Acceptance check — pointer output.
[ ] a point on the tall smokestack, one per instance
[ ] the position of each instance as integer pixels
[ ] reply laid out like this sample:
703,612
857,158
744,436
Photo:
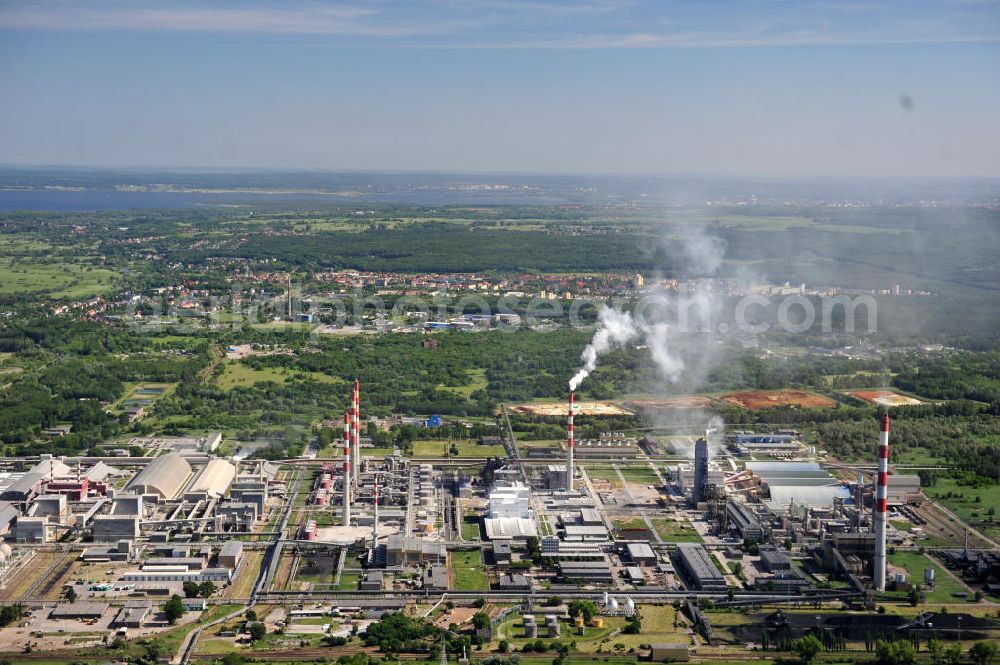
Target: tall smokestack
347,469
375,520
355,438
881,494
569,444
700,469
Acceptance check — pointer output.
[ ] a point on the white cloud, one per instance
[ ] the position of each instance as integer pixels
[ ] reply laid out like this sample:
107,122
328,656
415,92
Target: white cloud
520,24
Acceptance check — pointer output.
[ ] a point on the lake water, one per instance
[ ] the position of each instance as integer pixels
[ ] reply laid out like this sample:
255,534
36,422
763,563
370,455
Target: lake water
94,200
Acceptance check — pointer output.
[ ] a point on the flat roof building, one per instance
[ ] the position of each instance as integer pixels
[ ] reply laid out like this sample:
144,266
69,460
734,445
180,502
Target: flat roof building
582,532
640,553
403,551
696,563
744,522
112,528
510,528
586,572
230,554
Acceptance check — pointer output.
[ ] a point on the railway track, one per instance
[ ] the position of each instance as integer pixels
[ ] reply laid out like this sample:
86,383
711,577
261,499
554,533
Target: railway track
48,579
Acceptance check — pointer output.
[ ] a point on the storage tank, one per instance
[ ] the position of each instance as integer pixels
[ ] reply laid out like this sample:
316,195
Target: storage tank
629,606
530,627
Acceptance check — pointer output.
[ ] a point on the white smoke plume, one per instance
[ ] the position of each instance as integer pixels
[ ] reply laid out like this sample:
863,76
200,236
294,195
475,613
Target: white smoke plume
616,328
663,318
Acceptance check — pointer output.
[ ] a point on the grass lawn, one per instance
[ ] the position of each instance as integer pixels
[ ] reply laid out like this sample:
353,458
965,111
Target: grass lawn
548,445
478,381
470,525
439,448
171,639
630,523
57,280
673,531
348,580
657,626
640,474
944,585
971,504
243,584
603,473
237,375
467,572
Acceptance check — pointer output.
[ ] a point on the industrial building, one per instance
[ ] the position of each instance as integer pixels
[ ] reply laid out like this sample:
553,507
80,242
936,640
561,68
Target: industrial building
744,522
510,515
112,528
641,554
585,572
903,489
695,563
164,477
212,481
669,652
405,551
805,484
230,554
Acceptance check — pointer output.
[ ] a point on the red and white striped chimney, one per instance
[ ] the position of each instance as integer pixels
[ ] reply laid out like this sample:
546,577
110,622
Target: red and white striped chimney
355,437
569,444
375,520
347,468
881,496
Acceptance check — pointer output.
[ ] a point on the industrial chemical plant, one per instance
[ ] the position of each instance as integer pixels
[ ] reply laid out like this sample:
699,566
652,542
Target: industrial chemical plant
623,520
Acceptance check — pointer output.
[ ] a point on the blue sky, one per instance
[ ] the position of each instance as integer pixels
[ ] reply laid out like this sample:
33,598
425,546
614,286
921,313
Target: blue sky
758,87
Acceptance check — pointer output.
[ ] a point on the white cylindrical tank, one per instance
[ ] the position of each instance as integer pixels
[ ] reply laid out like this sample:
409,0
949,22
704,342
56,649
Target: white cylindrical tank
629,605
5,549
606,597
613,604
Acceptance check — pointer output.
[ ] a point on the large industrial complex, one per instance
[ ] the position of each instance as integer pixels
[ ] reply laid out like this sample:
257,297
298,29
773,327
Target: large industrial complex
734,519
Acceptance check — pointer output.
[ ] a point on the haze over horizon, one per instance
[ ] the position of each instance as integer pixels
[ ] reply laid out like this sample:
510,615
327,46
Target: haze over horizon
600,86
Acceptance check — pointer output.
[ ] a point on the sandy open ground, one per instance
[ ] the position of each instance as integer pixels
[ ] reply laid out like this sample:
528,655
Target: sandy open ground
581,409
884,397
679,402
763,399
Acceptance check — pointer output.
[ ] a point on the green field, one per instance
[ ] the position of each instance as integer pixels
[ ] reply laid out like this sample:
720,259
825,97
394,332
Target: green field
603,473
57,280
478,382
631,523
439,448
640,474
672,531
467,572
972,504
470,525
238,375
657,626
944,585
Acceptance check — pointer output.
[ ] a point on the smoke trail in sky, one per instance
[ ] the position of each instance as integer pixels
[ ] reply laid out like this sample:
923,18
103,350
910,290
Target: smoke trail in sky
697,254
616,328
